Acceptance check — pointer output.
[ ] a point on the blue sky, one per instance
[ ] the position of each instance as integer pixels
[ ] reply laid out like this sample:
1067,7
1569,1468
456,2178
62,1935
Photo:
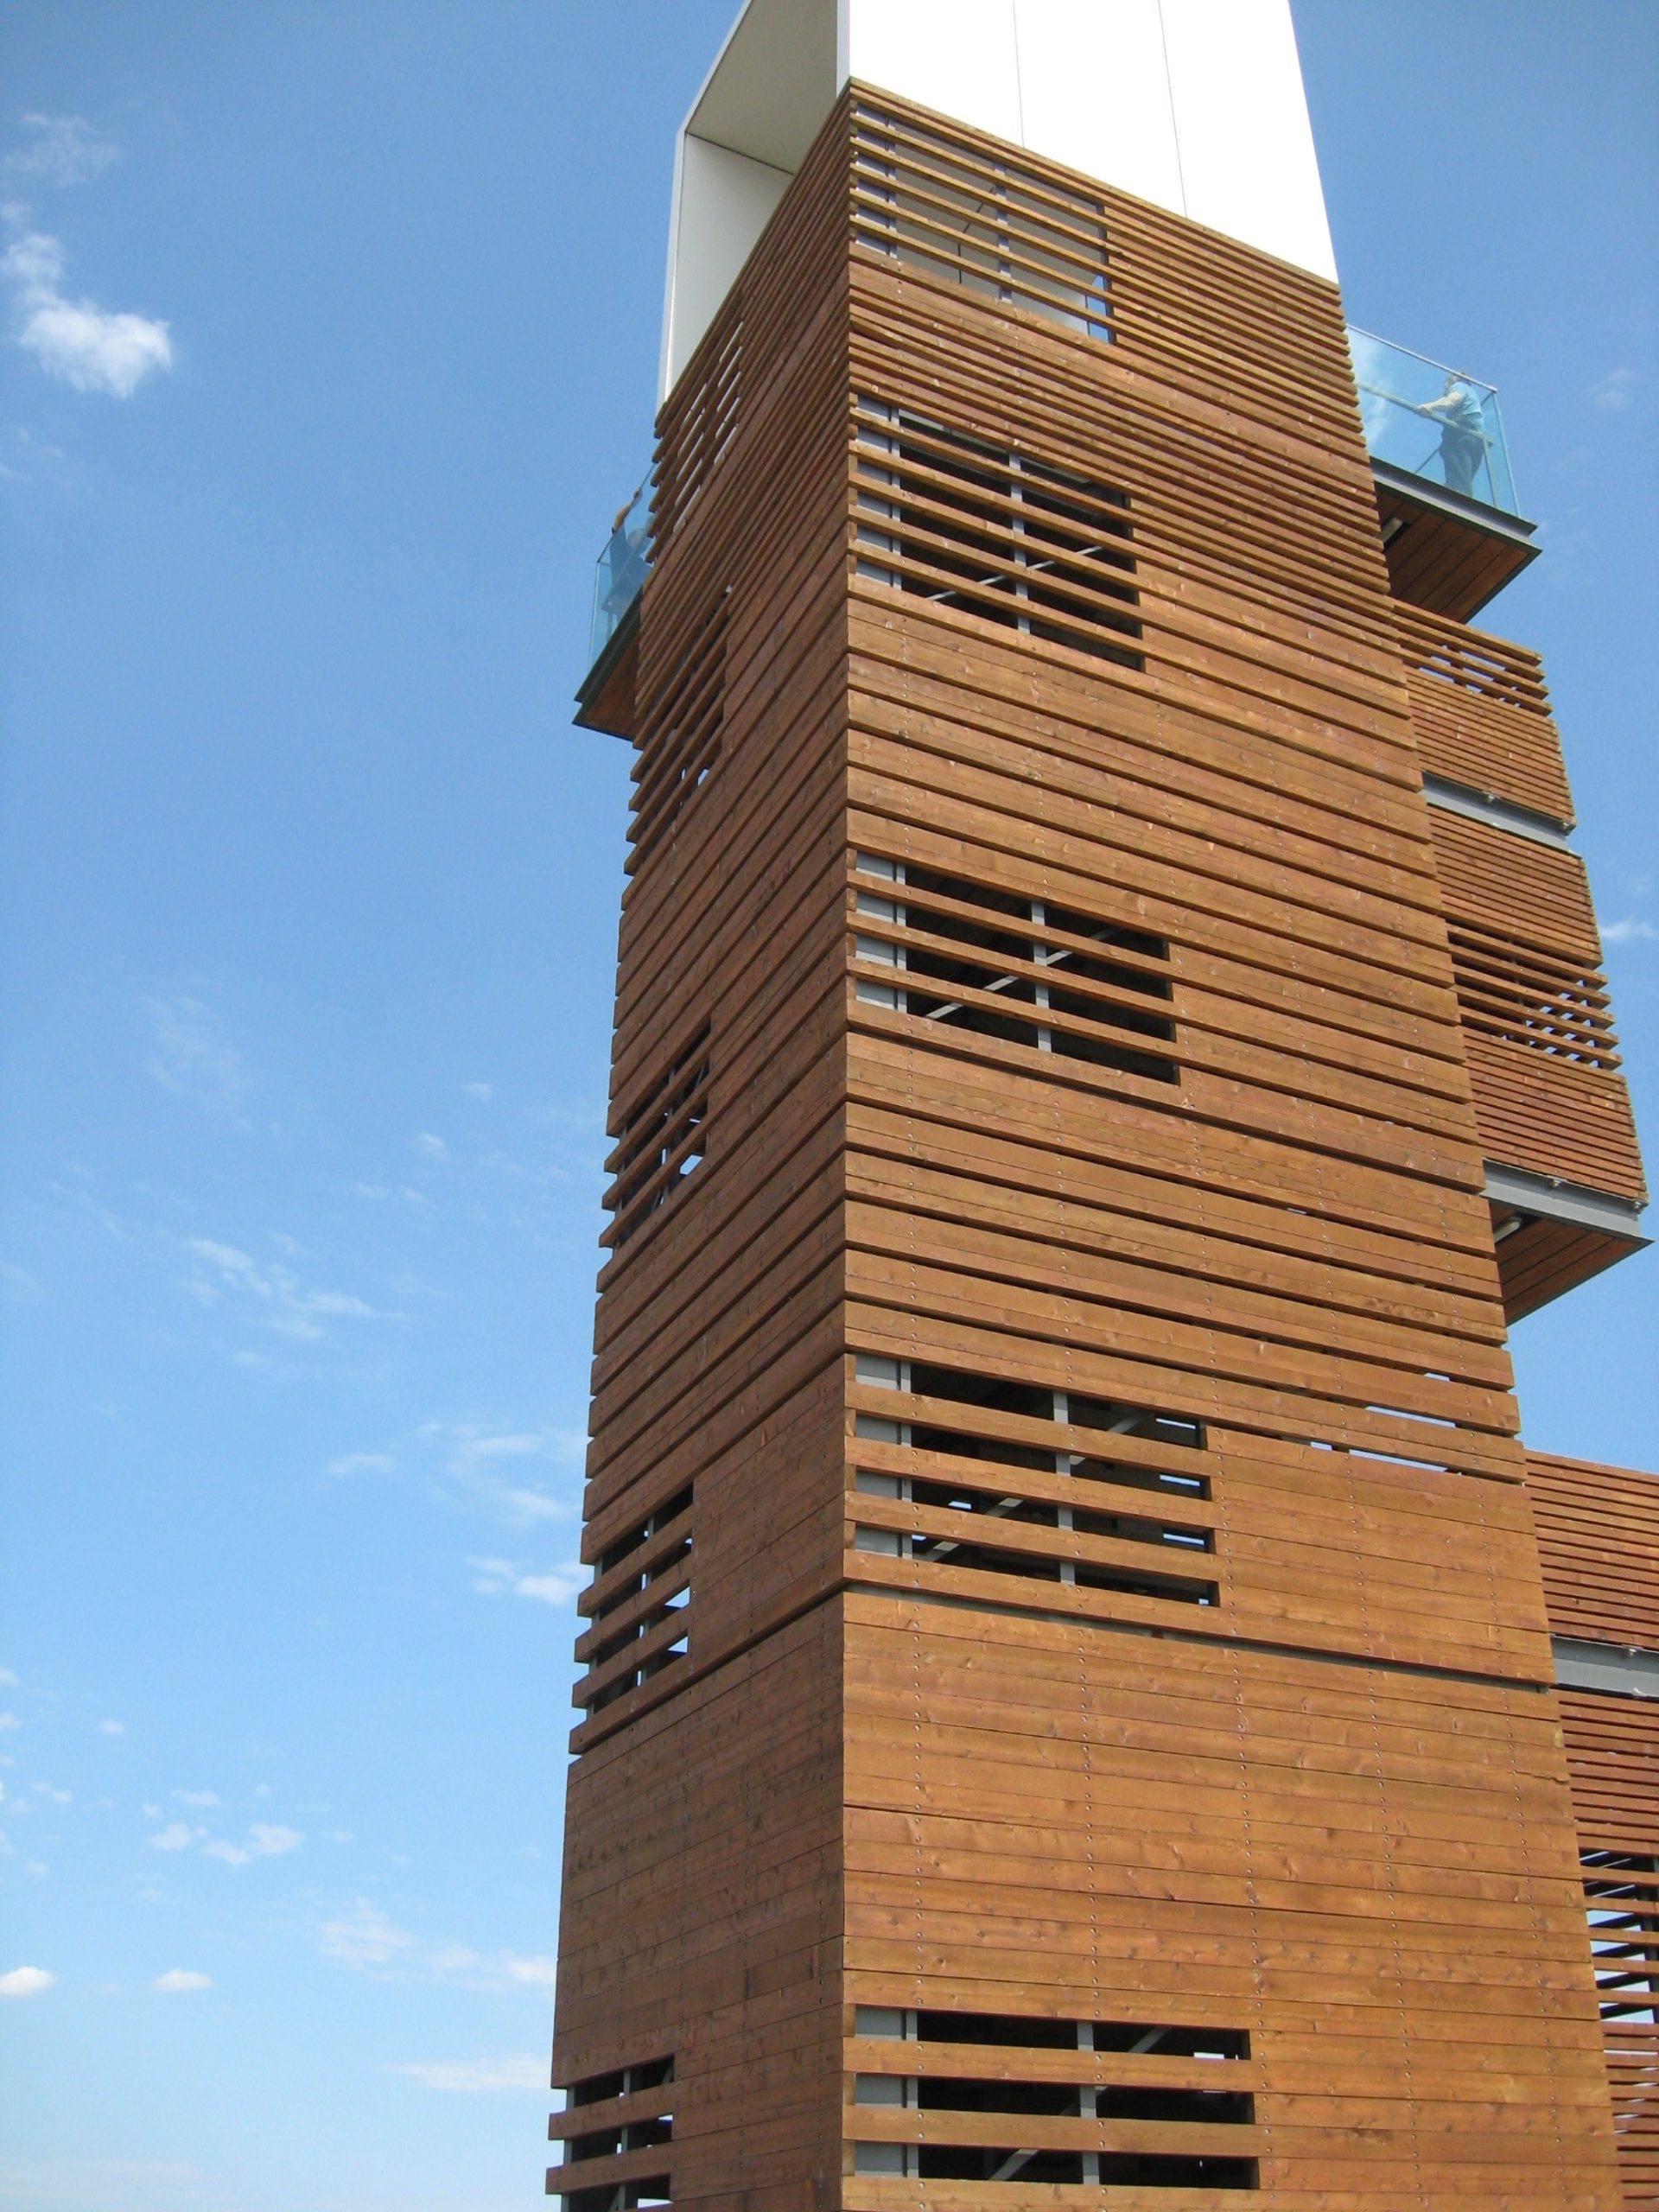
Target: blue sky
309,911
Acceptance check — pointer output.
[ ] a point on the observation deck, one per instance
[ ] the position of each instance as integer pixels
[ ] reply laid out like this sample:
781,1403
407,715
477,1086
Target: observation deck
604,697
1452,530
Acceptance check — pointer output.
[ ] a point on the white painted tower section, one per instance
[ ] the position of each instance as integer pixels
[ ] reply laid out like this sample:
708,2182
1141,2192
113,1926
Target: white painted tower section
1195,105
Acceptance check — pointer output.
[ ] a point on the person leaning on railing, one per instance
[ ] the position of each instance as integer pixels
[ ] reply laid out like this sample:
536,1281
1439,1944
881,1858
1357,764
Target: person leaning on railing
1463,432
626,556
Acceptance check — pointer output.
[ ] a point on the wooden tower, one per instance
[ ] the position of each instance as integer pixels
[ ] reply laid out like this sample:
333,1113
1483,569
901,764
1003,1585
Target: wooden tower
1108,1033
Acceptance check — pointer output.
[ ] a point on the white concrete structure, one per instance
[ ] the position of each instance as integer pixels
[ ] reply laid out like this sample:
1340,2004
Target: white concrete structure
1196,104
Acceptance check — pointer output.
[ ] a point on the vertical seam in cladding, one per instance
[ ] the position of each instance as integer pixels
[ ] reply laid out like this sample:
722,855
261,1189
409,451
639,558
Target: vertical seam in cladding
1174,120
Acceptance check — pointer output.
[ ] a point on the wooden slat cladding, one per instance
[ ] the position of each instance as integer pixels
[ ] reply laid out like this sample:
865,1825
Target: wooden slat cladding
1025,1224
1482,714
701,1903
698,423
1599,1541
1370,1874
1073,1494
702,1915
1534,1002
1612,1747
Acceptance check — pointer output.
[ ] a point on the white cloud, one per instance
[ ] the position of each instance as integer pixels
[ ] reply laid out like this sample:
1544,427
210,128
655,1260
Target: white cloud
363,1463
430,1146
1616,392
26,1982
9,1720
75,341
60,150
1627,932
53,1795
175,1837
206,1798
482,1092
18,1286
180,1981
190,1057
112,1727
470,2076
553,1586
8,1679
265,1839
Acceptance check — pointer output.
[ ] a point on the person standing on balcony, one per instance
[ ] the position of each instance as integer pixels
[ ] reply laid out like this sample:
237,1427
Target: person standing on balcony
627,557
1463,432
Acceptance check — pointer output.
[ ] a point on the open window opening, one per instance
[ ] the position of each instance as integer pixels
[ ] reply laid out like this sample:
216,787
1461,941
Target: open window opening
964,1505
680,737
1173,2075
1522,992
630,1610
992,228
1001,533
611,2116
997,964
1621,1903
660,1142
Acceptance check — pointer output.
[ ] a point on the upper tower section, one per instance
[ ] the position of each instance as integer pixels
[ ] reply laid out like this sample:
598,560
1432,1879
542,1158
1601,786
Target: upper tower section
1196,105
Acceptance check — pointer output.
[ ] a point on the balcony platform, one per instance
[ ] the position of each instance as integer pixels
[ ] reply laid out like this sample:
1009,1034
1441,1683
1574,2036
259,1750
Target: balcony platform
1446,551
606,696
1552,1236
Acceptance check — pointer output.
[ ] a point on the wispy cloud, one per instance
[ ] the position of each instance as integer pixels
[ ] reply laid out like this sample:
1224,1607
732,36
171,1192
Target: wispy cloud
431,1147
112,1727
492,1578
200,1798
363,1463
28,460
1615,393
1628,932
280,1300
59,150
474,2076
368,1941
26,1982
177,1835
190,1055
365,1939
182,1981
18,1286
482,1092
486,1459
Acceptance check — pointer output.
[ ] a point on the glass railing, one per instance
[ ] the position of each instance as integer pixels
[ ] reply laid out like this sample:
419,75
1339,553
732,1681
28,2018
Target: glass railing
620,570
1432,422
